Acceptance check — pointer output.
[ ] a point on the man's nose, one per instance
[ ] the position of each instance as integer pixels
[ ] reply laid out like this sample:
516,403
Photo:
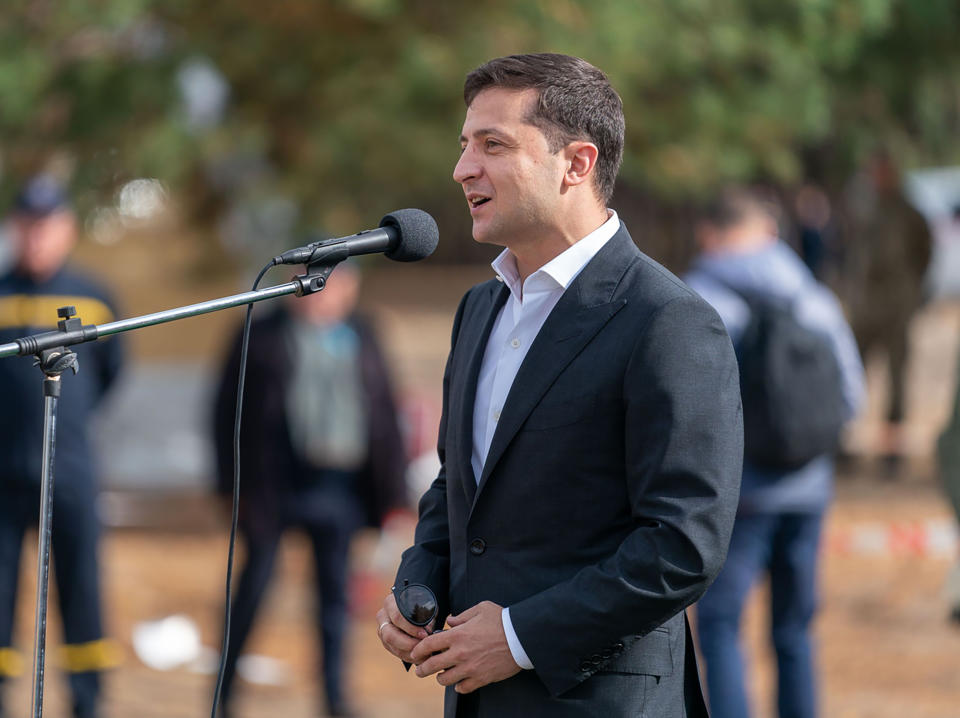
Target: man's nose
467,167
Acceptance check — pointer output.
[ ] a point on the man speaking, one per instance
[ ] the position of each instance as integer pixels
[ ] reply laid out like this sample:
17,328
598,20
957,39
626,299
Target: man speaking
591,438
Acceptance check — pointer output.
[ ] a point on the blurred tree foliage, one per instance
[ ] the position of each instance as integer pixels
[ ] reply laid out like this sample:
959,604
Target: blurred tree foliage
350,108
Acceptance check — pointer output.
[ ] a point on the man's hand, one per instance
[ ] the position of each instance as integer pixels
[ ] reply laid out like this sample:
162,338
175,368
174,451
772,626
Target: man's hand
397,634
471,653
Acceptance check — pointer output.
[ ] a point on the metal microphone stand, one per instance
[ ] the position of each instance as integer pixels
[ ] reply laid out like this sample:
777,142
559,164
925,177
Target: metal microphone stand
53,357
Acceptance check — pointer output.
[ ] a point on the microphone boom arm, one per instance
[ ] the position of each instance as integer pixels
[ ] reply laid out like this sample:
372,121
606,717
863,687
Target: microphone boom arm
313,281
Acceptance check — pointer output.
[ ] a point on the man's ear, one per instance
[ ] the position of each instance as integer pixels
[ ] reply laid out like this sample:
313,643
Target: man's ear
581,159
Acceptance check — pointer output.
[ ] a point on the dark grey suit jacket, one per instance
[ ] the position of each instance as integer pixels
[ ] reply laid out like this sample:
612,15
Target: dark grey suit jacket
608,494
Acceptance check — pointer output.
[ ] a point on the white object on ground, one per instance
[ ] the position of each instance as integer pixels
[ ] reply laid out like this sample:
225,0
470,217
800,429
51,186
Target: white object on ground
263,670
166,643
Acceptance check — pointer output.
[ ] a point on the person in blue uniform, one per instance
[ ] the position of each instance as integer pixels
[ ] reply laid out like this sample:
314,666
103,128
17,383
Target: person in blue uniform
44,231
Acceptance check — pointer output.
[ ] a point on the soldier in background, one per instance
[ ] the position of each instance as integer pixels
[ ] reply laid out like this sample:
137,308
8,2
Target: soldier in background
889,250
44,231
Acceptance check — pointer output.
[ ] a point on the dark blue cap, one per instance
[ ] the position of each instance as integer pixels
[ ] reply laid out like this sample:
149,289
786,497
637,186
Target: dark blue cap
42,194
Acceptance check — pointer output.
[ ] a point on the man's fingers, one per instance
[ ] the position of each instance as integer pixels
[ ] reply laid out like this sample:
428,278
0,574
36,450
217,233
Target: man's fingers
394,639
442,661
462,618
428,646
468,685
452,676
401,654
398,642
397,619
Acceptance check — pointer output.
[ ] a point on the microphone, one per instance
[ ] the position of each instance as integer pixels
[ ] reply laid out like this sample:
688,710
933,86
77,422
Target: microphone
406,235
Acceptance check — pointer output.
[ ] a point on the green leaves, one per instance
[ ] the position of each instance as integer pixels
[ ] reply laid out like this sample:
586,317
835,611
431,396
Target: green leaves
351,107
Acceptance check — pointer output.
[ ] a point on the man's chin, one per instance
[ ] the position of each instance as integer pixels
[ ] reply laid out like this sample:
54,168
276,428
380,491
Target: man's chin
483,234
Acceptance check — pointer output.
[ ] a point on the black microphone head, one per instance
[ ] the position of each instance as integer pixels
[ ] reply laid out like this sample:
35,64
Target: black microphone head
418,234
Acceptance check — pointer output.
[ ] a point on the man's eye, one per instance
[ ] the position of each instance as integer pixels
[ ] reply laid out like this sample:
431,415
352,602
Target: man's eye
490,144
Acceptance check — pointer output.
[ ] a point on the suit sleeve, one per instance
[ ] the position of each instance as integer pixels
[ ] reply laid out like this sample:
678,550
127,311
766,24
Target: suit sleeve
683,455
428,560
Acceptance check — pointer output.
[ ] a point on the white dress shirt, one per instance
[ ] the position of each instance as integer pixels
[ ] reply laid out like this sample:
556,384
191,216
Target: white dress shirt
514,330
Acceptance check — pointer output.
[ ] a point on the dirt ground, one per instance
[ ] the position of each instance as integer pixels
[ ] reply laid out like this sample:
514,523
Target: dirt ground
885,646
886,649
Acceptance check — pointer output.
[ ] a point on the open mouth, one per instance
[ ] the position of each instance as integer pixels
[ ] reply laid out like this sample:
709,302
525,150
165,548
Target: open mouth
477,201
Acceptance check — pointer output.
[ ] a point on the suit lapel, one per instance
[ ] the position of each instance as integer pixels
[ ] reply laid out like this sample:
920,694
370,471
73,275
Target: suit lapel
474,347
585,307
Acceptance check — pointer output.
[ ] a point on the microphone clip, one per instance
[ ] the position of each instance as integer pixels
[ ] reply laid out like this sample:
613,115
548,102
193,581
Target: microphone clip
314,280
323,257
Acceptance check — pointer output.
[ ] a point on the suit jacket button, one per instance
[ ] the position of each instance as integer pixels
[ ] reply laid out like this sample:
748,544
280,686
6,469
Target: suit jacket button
606,653
618,647
586,666
478,546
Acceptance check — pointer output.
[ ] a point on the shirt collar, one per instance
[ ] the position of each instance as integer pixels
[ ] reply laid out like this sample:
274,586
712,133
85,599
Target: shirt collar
560,271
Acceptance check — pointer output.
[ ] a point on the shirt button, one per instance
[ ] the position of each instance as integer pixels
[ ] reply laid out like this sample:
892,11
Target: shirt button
515,343
496,415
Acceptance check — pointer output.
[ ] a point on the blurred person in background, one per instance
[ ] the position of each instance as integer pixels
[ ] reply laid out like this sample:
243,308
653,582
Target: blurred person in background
889,248
44,231
742,269
321,452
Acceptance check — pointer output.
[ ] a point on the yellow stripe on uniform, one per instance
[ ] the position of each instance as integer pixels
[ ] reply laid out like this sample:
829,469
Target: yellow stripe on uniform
11,663
39,311
93,656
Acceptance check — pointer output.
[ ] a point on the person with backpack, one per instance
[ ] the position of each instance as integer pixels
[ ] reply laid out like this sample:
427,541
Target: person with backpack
801,380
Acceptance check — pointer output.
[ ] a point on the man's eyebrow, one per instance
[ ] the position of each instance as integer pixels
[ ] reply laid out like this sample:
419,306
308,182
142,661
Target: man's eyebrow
484,131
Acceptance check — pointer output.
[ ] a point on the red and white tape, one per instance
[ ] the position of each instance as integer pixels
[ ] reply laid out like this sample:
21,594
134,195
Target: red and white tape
929,538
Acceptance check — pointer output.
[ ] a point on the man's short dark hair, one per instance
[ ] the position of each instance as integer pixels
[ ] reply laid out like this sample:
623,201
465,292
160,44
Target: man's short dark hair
576,102
733,204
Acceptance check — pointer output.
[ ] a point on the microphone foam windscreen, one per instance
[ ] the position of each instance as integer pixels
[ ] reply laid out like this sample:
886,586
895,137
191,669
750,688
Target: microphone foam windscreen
418,234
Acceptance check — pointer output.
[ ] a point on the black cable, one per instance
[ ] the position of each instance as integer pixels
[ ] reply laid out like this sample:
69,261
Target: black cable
236,494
